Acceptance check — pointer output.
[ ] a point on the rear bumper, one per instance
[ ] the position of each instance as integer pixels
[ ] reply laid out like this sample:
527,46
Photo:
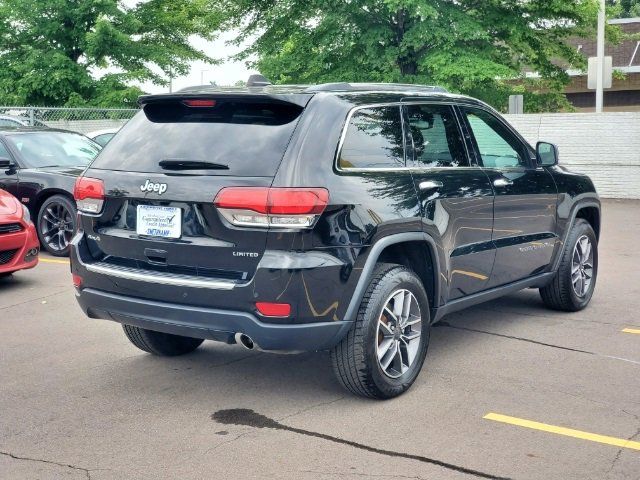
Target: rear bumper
209,323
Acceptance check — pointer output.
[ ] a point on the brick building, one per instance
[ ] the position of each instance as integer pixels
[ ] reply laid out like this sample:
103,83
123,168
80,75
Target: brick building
624,96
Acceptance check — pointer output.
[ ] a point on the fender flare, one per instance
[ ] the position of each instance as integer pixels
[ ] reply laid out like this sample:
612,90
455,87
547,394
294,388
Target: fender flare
372,260
591,202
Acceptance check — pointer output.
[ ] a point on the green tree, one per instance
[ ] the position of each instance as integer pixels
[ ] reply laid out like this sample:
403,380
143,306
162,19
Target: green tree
470,46
625,8
54,52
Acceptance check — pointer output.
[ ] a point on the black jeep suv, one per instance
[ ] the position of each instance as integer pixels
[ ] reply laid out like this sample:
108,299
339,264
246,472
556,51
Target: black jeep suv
347,217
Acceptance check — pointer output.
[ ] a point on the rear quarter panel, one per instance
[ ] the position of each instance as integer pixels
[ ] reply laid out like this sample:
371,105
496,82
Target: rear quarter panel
363,207
35,185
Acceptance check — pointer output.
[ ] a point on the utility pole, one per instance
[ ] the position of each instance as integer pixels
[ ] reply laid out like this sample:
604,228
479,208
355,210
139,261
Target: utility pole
202,72
600,55
170,79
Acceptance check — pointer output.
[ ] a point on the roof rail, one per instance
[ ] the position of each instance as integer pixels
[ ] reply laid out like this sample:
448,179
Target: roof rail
374,87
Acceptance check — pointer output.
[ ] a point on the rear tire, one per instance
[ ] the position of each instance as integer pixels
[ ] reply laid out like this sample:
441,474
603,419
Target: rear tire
384,351
162,344
572,287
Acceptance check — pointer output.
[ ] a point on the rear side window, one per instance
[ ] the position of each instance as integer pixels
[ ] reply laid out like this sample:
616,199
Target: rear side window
248,137
436,137
373,139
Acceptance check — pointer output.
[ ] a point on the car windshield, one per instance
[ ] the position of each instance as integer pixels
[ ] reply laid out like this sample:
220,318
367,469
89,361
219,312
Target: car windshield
54,149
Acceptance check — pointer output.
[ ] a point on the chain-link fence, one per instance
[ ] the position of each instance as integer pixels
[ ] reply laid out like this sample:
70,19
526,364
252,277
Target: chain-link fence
82,120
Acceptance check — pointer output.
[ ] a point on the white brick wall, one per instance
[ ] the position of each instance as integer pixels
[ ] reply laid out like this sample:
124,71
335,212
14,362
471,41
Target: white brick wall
605,146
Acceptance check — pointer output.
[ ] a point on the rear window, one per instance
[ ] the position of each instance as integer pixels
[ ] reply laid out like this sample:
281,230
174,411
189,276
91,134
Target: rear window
248,137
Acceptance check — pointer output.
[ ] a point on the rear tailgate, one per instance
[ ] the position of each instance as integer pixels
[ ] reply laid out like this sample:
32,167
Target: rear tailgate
178,154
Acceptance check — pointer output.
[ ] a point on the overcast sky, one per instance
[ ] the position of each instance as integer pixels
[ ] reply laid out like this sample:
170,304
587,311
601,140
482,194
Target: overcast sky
224,74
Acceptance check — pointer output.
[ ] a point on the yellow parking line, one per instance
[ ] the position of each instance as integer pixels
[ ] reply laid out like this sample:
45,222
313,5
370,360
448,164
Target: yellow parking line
632,330
51,260
568,432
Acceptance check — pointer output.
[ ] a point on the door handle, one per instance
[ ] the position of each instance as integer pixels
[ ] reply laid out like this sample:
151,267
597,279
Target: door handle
502,182
430,185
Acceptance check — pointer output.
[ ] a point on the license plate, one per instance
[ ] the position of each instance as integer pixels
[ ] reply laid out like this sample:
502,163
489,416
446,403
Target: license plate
155,221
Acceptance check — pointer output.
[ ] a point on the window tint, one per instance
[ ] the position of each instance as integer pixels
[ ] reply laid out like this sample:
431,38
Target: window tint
373,139
437,141
498,147
247,136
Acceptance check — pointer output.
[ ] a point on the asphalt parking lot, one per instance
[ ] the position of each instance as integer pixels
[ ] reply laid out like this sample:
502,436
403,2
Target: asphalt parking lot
509,390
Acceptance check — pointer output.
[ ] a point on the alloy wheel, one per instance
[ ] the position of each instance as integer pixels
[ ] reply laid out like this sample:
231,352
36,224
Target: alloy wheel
57,226
398,333
582,266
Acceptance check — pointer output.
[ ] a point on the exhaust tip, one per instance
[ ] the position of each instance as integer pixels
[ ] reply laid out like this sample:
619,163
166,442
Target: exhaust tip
245,341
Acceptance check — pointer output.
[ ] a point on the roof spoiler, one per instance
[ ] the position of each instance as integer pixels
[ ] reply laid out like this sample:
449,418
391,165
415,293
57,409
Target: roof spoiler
254,91
300,100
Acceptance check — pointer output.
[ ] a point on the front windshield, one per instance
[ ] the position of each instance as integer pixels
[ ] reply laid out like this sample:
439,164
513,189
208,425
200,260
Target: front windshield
54,149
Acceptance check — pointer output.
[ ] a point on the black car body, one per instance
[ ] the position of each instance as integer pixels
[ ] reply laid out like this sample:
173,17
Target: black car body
411,179
38,171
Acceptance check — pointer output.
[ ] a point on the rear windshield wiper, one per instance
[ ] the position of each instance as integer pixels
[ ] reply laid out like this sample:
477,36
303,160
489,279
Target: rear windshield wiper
191,165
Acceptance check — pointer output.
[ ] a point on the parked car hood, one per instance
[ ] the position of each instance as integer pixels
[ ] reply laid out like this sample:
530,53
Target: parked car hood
8,204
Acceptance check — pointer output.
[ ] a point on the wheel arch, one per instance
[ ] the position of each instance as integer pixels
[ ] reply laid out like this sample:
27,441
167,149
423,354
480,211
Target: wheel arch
588,210
415,250
44,195
591,214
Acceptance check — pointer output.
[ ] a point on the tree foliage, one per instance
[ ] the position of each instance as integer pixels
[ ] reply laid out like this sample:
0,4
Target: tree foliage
51,51
470,46
625,8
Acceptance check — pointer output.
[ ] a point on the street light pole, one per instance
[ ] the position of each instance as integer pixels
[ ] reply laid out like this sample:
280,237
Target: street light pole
600,55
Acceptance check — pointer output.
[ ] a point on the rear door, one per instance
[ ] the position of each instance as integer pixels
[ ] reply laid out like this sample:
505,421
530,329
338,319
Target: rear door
162,172
455,195
524,229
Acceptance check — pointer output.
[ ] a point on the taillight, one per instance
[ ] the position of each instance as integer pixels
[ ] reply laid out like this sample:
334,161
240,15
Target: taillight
77,280
272,207
89,194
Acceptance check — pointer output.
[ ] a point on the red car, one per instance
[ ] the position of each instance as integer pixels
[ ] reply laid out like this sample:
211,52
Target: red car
19,244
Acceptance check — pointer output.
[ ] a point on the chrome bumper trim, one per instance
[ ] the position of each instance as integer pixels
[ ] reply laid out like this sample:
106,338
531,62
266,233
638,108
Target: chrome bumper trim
159,277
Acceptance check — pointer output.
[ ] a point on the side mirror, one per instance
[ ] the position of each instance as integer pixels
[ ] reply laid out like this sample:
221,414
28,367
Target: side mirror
546,154
6,164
